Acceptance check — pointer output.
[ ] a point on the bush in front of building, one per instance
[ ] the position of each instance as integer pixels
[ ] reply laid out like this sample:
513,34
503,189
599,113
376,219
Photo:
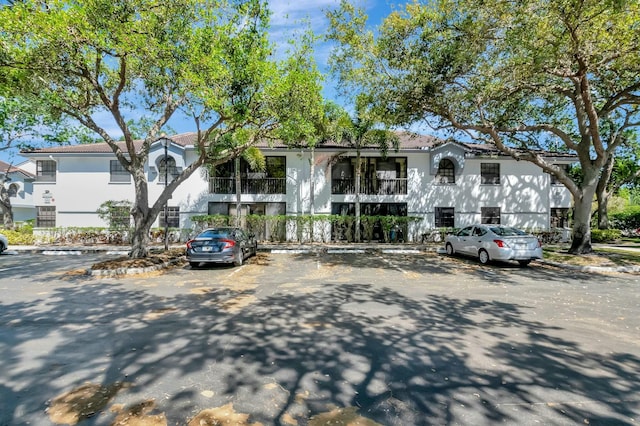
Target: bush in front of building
314,228
22,236
605,235
627,219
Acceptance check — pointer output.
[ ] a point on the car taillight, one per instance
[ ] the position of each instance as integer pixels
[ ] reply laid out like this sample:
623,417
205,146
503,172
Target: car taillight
189,244
228,244
501,243
539,243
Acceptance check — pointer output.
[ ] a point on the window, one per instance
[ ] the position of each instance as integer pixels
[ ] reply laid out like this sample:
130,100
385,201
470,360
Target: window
46,217
479,232
446,172
167,166
465,232
173,217
12,191
45,171
490,173
444,217
118,172
559,218
490,215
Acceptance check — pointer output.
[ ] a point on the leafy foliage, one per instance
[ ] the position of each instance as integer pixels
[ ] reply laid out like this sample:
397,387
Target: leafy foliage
131,65
526,76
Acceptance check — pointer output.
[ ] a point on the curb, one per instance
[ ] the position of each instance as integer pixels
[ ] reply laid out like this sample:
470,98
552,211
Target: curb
285,249
131,271
622,269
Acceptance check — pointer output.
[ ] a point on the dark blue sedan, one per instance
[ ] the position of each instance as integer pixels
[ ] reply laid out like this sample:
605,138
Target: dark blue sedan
221,245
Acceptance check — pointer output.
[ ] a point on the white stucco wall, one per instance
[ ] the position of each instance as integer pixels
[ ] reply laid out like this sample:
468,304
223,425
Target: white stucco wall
524,194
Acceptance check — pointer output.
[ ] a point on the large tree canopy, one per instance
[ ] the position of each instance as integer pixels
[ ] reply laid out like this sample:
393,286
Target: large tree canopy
133,64
524,75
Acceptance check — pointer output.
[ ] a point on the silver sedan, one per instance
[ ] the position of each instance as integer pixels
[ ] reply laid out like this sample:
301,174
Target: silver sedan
494,242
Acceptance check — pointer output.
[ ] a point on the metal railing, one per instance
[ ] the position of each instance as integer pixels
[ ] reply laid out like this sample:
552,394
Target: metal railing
224,185
396,186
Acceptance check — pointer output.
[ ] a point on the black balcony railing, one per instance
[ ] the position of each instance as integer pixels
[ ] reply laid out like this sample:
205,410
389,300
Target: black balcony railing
370,186
223,185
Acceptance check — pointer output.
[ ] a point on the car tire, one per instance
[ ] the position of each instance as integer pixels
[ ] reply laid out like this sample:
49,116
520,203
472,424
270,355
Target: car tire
239,258
2,247
483,256
194,264
524,262
449,249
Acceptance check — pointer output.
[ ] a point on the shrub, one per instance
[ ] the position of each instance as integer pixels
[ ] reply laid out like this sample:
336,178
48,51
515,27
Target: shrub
20,237
629,218
605,235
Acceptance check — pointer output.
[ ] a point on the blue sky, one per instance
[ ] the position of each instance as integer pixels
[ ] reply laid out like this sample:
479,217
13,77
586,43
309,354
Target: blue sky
286,18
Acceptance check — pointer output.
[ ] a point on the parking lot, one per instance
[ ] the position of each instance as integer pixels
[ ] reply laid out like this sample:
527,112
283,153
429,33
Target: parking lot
297,339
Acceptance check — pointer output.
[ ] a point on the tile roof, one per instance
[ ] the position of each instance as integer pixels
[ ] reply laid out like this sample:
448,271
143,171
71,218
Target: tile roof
408,141
10,168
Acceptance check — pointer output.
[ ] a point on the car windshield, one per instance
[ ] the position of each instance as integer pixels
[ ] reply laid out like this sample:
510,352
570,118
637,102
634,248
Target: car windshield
506,231
216,233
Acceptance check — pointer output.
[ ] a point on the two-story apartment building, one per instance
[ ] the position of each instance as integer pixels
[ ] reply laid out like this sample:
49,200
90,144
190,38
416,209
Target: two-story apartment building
443,183
18,181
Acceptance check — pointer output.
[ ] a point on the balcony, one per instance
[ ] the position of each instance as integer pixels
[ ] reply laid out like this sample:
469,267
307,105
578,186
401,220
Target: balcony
227,185
396,186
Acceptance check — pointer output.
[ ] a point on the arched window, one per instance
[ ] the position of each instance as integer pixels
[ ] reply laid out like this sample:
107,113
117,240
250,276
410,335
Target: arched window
13,190
168,164
446,171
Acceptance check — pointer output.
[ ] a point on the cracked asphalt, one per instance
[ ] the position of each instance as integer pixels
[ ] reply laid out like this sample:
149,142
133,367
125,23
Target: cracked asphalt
310,339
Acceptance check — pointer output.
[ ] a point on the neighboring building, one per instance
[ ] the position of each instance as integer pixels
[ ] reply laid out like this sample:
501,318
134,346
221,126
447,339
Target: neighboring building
18,180
445,184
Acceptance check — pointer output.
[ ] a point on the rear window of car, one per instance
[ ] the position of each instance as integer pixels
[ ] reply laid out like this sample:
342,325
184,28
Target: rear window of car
507,232
215,233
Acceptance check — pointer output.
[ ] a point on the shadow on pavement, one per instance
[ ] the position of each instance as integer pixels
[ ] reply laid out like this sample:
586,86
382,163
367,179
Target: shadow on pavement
400,360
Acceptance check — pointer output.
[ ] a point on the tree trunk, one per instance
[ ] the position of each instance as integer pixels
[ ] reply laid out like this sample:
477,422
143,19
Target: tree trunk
603,211
581,243
602,194
357,188
312,176
143,217
140,239
7,211
238,179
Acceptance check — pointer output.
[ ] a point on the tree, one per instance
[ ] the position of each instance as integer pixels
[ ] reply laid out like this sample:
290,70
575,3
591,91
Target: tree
140,61
622,168
360,132
525,76
24,123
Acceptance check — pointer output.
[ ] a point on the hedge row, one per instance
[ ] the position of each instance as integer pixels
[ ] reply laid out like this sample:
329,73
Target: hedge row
309,228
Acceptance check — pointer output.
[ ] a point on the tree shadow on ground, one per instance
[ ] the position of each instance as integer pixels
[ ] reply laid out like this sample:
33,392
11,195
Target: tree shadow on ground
400,360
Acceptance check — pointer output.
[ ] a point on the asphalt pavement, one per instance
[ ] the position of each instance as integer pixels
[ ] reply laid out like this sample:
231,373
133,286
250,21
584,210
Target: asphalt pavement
395,338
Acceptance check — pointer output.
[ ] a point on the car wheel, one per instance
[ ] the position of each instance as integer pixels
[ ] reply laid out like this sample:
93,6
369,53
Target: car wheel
524,262
194,264
239,258
2,247
483,256
449,248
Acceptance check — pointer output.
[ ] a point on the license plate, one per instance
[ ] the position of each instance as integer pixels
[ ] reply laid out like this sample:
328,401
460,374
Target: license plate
206,248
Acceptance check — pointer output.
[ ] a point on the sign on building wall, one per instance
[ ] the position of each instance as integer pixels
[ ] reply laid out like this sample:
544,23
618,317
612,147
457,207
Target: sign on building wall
47,197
